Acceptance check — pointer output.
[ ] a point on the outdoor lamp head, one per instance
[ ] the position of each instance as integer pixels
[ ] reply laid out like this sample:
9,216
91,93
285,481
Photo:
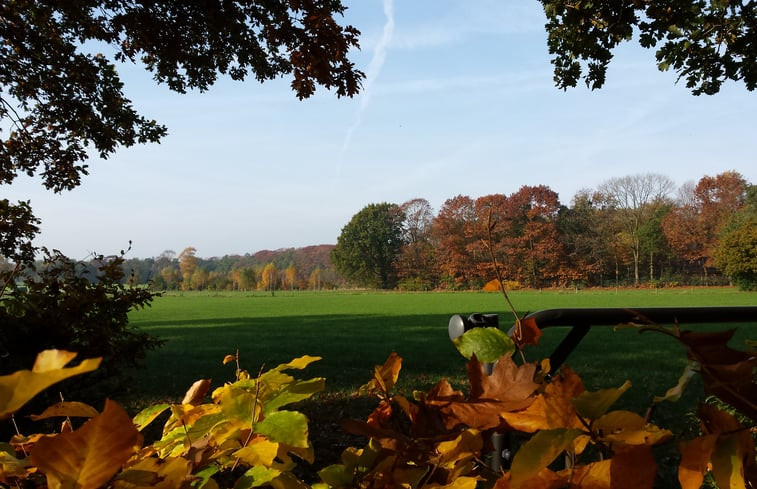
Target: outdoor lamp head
459,325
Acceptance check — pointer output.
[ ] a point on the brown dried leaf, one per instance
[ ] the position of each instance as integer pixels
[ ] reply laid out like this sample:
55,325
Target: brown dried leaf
88,457
196,394
68,409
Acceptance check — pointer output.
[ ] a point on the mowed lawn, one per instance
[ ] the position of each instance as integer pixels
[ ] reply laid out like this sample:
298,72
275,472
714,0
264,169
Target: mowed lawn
353,331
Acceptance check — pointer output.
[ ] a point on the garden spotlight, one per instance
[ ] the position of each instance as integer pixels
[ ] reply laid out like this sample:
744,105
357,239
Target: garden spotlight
459,324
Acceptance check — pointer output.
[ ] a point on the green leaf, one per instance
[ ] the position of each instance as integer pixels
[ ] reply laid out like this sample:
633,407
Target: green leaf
488,344
287,427
296,391
592,405
148,415
256,477
336,475
540,451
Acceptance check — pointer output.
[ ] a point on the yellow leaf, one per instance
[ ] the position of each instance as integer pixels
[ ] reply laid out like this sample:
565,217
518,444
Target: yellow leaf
592,405
628,428
18,388
459,483
540,451
298,363
228,359
259,452
154,472
466,446
591,476
52,360
68,409
88,457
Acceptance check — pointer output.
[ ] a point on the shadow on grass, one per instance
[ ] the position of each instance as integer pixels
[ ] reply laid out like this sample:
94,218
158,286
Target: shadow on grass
351,344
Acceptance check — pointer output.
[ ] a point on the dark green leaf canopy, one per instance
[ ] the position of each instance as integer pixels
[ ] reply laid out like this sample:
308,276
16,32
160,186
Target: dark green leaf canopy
62,101
706,41
369,245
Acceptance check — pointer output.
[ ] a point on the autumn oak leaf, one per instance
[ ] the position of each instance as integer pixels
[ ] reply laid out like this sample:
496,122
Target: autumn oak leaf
88,457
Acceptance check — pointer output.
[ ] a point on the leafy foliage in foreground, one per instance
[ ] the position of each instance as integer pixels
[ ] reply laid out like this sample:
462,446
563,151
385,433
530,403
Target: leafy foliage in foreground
569,437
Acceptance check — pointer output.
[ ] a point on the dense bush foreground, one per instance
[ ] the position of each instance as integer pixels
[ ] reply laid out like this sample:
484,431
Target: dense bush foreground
247,437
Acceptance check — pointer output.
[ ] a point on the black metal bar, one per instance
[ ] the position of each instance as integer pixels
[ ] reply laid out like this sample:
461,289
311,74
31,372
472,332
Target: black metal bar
582,319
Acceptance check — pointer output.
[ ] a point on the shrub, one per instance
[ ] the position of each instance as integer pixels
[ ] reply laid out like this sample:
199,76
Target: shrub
63,304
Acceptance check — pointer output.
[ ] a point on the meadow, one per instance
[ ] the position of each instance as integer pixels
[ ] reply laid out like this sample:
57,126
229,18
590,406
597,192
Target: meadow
355,330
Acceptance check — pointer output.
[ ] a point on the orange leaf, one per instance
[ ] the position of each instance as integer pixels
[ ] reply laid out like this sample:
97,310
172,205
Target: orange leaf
88,457
553,409
196,394
508,388
384,376
695,456
526,332
633,467
592,476
68,409
726,373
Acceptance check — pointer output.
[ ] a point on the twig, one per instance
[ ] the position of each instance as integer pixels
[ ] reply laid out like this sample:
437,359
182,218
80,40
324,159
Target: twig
254,410
517,333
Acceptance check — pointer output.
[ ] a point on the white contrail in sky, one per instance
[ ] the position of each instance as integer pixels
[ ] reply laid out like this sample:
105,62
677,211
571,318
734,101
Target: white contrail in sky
374,68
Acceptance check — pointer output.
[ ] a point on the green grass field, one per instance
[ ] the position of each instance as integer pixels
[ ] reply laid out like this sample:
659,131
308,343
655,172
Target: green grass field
353,331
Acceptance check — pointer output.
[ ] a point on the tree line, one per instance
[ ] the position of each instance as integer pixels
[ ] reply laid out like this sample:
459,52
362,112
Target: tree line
629,231
636,230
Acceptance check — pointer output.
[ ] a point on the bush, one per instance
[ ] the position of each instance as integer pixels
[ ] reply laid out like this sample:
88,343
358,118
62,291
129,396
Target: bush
63,304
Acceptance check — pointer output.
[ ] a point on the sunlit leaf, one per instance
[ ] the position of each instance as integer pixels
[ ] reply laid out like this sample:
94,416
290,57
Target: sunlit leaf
384,376
228,359
628,428
91,455
458,483
155,472
592,405
52,360
148,415
18,388
675,392
540,451
295,391
526,332
288,427
552,409
256,477
299,363
258,452
488,344
66,409
197,392
10,466
595,475
466,446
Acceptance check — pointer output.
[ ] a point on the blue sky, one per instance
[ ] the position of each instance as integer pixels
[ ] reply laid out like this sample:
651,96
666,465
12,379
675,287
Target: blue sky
459,100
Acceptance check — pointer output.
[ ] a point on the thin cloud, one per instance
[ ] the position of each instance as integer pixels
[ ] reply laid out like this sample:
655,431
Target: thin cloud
372,73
